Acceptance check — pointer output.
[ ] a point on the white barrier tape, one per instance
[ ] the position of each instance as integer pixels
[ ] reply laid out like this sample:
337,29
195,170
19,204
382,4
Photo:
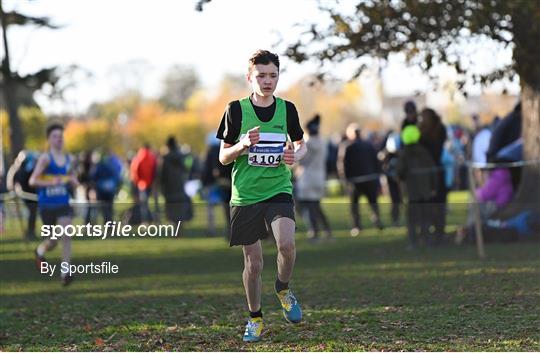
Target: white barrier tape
474,165
503,165
360,179
11,195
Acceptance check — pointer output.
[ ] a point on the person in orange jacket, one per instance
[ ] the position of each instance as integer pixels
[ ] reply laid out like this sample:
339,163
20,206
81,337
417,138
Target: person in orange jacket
142,174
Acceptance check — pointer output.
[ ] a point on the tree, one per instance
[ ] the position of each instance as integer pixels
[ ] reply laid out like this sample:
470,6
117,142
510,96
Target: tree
151,124
124,103
87,135
178,85
338,103
208,106
431,32
14,85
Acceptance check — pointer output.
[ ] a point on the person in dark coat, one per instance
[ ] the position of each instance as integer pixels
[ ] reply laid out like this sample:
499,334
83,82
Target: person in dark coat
505,132
172,178
432,137
17,179
413,164
85,169
358,166
216,179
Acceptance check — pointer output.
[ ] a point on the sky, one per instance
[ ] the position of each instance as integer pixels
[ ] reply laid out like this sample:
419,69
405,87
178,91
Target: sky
125,44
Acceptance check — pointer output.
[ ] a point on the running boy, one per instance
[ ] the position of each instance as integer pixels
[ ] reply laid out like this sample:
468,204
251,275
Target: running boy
254,136
52,177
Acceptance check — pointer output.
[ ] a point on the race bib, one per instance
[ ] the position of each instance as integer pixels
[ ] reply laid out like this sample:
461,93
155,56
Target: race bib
54,191
267,155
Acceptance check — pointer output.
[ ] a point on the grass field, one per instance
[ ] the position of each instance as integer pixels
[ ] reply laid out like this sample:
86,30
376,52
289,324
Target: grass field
364,293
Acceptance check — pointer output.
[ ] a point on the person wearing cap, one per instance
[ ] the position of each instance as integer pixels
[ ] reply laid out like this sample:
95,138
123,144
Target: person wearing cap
413,169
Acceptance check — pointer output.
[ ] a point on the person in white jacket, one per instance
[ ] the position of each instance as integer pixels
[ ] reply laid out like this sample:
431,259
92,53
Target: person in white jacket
311,182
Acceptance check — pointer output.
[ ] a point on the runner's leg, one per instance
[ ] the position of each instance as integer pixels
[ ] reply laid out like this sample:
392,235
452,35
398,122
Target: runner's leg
283,229
66,241
253,265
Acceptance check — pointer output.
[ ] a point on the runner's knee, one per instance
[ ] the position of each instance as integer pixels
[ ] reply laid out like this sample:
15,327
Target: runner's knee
254,266
51,244
286,248
64,221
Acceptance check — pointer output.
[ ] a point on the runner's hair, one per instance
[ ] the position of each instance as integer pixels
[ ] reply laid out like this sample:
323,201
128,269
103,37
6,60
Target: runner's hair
52,127
263,57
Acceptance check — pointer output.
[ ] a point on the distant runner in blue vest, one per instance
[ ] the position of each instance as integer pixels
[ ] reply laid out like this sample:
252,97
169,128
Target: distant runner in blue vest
52,176
254,133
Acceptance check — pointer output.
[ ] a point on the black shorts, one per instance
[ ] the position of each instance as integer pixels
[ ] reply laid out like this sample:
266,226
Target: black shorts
49,216
251,223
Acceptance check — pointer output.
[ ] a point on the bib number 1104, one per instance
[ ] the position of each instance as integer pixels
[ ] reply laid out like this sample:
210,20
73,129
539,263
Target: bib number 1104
266,155
262,159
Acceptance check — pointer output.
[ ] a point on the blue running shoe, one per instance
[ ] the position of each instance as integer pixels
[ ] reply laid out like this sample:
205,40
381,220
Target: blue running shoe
253,329
291,308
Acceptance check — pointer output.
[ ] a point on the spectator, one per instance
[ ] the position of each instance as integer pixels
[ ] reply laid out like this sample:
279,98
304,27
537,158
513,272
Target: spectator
84,171
433,137
412,168
358,167
18,177
107,180
480,145
505,132
498,188
331,157
449,163
411,114
172,178
495,194
457,148
311,182
142,174
389,159
216,180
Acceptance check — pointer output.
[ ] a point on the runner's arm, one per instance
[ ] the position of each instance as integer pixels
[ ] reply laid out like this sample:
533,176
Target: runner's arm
228,152
292,154
300,150
35,179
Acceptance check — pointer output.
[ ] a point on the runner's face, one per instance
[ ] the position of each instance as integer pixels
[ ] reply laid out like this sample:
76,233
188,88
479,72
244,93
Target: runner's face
56,139
264,79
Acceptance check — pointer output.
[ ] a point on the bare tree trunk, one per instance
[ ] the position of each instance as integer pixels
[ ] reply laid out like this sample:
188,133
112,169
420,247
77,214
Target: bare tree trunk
16,135
528,194
16,132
